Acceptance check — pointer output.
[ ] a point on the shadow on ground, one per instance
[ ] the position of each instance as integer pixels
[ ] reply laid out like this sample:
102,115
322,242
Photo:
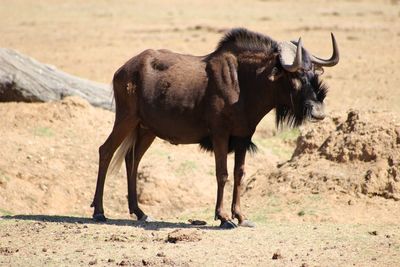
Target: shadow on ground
156,225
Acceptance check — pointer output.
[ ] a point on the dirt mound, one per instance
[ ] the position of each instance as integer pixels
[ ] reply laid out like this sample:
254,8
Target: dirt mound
372,138
48,155
357,153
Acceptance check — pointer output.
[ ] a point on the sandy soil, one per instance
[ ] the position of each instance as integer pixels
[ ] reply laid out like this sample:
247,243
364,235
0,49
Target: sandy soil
334,202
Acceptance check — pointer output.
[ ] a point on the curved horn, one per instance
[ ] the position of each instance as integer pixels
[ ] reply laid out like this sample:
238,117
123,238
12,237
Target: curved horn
328,62
298,61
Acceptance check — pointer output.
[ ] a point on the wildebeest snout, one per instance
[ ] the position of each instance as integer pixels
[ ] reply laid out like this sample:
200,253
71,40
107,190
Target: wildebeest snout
317,111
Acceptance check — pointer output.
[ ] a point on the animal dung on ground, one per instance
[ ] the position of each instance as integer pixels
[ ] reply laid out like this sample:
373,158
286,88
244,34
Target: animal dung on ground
185,235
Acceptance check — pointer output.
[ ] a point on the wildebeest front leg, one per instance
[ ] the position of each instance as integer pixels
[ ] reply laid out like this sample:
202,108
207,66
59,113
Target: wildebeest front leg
239,173
143,142
221,152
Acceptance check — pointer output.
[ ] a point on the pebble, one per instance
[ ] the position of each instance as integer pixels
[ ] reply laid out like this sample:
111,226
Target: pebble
277,255
373,233
160,254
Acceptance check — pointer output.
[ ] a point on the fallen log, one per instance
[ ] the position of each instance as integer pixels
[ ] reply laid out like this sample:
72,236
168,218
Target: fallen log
24,79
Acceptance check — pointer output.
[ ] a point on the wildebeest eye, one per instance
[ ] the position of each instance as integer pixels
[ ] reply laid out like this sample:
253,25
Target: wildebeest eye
275,74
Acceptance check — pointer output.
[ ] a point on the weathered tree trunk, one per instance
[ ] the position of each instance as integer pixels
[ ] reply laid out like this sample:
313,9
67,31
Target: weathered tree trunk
25,79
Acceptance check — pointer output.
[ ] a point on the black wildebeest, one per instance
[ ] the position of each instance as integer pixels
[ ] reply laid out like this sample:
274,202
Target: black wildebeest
215,100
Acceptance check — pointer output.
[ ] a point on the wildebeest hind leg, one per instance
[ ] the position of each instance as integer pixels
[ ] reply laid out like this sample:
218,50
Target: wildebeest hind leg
122,128
143,141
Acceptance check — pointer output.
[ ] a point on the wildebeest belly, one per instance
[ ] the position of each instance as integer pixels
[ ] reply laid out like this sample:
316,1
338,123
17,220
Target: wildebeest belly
171,99
177,131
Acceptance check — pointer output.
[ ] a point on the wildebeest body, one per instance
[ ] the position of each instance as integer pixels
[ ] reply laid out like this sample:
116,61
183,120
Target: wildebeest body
216,100
179,103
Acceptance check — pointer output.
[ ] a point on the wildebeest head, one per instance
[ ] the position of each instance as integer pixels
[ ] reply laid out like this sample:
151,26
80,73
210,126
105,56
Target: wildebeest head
299,73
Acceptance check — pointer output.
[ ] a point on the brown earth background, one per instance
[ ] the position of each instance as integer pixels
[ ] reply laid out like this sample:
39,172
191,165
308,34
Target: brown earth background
326,194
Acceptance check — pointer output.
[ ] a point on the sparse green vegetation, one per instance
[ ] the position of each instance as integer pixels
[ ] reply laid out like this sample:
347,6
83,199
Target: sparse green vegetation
43,132
3,178
281,144
186,167
288,134
211,172
259,217
4,212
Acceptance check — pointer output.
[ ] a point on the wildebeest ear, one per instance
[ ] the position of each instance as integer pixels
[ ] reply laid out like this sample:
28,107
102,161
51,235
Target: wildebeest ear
275,74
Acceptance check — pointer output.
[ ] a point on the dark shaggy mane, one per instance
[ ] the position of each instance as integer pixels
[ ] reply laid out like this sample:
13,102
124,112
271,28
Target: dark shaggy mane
234,143
284,115
247,40
320,88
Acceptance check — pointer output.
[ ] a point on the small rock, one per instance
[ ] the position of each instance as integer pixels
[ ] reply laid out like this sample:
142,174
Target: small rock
123,263
373,233
145,262
110,260
93,262
44,249
7,251
301,213
277,255
116,238
169,262
160,254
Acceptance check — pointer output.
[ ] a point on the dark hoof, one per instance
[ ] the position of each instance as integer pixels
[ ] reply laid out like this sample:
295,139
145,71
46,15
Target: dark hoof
227,225
99,218
247,223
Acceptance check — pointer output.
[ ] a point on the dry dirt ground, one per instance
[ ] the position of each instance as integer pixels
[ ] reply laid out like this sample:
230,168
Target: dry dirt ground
325,195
